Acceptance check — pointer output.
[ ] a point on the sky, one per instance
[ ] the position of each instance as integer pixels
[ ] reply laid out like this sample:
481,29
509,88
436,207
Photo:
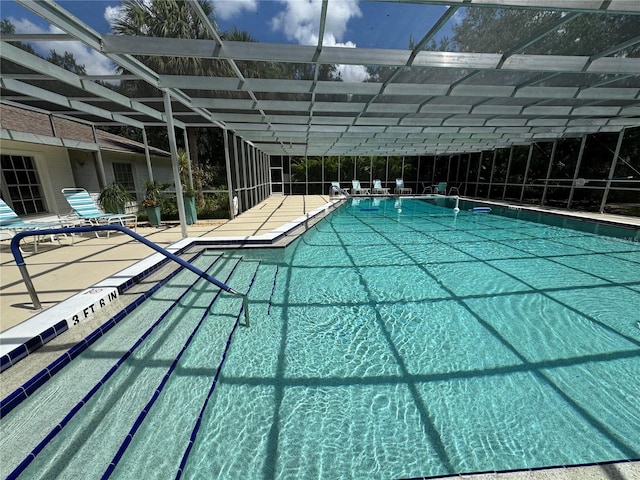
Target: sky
349,23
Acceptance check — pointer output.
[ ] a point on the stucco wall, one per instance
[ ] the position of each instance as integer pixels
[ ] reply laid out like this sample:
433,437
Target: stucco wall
161,169
59,168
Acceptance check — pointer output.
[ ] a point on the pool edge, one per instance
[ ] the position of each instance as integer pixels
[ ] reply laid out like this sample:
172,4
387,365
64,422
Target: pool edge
21,340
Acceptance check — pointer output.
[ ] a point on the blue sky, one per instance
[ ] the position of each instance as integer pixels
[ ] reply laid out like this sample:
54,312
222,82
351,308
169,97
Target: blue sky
349,23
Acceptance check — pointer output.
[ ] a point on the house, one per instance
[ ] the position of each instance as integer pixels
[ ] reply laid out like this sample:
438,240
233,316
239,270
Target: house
42,153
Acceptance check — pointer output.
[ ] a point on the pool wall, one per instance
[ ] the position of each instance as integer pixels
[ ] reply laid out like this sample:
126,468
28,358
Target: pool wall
626,233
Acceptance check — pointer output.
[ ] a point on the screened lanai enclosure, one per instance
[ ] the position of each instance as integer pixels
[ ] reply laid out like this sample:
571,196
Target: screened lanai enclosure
532,101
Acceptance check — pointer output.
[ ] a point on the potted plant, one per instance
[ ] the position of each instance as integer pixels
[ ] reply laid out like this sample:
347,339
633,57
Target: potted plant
189,197
188,192
151,202
114,198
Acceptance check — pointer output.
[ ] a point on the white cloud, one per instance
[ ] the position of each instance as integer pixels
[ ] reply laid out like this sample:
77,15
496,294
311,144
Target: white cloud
94,62
111,14
349,73
300,21
226,9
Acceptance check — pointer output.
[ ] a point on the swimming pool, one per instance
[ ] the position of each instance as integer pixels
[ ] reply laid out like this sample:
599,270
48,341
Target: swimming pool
389,341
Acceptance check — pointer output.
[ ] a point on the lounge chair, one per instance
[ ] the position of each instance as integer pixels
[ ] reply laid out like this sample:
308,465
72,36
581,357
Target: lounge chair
357,189
426,188
377,188
441,188
86,209
400,188
11,223
455,190
335,188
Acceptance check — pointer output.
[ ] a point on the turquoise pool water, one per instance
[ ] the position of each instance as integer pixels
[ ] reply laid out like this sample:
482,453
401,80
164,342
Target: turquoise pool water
389,341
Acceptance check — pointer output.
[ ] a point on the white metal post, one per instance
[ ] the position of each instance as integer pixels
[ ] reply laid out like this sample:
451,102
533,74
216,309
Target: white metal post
174,163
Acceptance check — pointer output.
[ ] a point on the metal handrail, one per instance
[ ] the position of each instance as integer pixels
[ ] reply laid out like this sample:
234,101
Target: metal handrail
335,188
17,255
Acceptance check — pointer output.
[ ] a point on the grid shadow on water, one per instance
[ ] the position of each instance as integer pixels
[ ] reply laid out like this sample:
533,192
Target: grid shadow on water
534,287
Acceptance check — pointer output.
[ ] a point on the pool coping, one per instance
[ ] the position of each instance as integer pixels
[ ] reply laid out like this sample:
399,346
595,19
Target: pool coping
21,340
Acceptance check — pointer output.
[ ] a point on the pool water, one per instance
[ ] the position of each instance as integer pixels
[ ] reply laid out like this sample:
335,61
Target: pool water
389,341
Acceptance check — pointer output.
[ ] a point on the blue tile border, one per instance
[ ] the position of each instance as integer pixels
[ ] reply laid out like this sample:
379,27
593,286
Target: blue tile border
8,403
14,356
34,343
82,346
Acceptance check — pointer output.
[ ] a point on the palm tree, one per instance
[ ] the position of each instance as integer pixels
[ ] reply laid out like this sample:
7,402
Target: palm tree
171,19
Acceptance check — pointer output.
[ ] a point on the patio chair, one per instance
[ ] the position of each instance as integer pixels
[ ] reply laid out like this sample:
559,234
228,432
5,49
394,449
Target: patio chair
86,209
11,223
400,188
357,189
441,188
336,189
377,188
426,188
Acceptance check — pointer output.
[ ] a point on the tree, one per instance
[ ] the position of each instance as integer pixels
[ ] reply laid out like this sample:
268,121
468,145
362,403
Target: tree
498,30
174,19
66,61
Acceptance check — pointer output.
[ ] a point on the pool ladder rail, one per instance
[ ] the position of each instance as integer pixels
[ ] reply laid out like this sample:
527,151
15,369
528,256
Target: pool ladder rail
17,255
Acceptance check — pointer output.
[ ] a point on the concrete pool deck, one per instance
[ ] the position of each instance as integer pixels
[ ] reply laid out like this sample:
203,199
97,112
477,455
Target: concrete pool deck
60,272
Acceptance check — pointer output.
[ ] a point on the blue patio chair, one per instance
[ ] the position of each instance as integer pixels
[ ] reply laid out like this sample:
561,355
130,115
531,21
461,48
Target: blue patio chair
400,188
378,189
86,209
441,188
335,188
11,223
357,189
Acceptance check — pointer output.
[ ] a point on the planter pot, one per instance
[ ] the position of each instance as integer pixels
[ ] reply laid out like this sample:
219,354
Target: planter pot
153,213
190,210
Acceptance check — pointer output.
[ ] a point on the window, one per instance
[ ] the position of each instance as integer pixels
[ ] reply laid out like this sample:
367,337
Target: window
21,184
123,173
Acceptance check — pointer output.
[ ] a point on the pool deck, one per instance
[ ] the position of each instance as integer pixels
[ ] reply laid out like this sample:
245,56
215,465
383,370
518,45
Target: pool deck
91,266
60,272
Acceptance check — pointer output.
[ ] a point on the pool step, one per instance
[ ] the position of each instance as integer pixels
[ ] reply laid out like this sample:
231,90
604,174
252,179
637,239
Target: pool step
193,377
142,369
185,386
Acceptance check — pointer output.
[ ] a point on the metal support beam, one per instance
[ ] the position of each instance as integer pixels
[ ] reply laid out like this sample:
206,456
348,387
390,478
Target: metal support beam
174,163
546,179
475,193
147,156
254,180
526,171
576,171
612,171
225,134
506,178
245,176
493,167
236,165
